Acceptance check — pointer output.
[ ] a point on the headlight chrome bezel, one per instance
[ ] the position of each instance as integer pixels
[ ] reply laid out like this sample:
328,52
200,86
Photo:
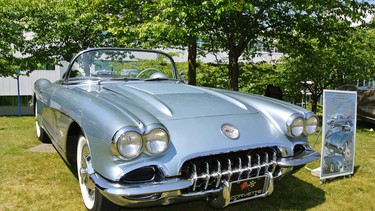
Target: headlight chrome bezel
298,125
144,136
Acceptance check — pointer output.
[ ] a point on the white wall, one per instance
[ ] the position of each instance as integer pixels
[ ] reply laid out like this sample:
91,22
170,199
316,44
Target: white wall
8,85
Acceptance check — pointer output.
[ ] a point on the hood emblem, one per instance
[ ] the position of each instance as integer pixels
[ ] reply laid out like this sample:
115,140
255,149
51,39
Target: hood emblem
230,131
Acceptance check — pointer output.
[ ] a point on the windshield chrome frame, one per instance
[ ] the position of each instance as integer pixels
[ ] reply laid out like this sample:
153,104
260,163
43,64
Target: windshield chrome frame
66,79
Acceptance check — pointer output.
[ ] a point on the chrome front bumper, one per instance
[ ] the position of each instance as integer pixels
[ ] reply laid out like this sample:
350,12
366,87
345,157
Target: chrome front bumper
301,159
169,190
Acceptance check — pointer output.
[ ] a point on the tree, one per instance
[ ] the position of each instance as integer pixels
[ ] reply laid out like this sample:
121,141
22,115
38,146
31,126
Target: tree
11,36
166,23
315,67
237,25
61,28
254,78
48,31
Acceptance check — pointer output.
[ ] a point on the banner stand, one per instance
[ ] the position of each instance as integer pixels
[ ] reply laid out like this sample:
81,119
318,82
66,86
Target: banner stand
338,138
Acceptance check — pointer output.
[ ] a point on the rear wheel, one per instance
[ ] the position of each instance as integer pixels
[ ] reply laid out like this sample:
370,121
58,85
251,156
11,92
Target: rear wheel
92,197
40,132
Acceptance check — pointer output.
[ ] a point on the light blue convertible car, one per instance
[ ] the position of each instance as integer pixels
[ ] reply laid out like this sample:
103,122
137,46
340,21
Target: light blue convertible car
139,136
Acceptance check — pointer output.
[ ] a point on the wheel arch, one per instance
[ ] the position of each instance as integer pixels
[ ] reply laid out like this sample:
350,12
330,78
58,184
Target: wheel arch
74,132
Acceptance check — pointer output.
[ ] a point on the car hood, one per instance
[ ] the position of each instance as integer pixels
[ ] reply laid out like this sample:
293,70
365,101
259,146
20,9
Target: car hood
170,101
194,117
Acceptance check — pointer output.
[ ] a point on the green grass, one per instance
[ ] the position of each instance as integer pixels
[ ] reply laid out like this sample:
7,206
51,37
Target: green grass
32,180
42,181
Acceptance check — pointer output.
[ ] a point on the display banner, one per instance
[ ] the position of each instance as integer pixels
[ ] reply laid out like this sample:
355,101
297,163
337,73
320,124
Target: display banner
339,130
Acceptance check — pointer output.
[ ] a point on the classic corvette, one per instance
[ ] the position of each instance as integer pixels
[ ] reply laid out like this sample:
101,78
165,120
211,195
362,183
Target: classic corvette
338,120
334,164
139,136
340,141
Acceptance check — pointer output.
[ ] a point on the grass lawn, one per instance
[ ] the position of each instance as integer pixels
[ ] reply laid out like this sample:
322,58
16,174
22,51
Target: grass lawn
42,181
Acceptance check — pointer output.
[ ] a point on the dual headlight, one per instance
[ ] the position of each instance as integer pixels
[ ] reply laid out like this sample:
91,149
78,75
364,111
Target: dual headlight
298,125
130,142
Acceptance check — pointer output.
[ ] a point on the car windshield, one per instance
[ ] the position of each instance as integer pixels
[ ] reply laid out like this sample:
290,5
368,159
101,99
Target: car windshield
122,63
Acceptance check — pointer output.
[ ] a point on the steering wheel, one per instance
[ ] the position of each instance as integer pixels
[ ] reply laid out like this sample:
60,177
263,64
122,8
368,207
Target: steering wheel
146,70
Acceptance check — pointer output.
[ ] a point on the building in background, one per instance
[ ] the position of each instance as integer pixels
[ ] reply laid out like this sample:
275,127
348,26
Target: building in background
9,90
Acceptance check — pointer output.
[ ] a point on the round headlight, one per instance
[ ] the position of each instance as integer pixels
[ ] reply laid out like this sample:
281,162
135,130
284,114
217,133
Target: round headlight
311,125
157,141
129,144
295,125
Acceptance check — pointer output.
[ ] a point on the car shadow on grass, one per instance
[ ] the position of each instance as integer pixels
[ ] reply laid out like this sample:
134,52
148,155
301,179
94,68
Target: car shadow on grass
291,193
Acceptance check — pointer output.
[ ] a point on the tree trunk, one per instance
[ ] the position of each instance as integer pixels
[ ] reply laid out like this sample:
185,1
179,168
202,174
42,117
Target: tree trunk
233,70
314,105
192,61
314,102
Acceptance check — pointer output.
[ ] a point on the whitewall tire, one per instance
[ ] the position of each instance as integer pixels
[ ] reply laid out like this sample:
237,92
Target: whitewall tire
91,196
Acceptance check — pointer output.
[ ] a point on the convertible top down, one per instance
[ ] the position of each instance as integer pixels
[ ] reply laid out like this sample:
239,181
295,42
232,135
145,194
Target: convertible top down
140,136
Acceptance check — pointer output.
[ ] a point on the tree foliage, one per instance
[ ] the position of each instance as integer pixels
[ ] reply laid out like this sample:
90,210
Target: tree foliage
166,23
315,34
62,28
11,37
48,31
237,25
230,26
317,66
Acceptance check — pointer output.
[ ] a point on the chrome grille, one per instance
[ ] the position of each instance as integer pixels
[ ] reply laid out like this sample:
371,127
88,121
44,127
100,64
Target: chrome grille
209,172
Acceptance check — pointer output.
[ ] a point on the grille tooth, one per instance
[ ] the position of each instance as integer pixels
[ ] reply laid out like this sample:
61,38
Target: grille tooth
208,173
273,163
195,177
249,168
258,166
219,174
229,171
266,162
239,168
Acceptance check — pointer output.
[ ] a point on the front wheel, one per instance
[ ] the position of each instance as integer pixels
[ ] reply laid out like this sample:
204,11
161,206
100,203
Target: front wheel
92,198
